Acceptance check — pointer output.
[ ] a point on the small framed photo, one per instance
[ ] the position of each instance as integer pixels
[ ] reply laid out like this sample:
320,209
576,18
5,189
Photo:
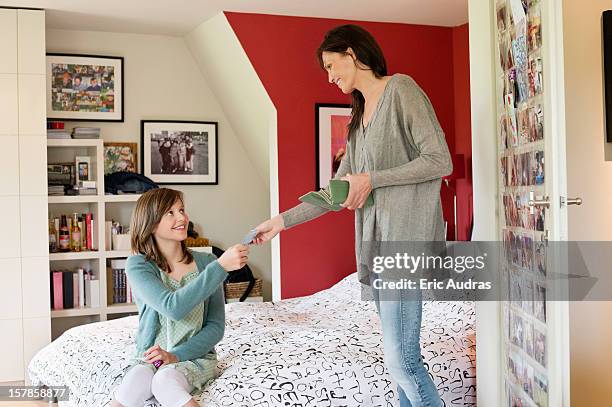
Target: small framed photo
179,152
83,168
331,133
84,87
120,157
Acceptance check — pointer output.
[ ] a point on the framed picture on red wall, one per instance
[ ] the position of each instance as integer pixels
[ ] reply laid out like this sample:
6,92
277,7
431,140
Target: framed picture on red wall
331,132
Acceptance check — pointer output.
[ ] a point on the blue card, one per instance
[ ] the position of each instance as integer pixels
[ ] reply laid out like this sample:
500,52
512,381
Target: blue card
249,237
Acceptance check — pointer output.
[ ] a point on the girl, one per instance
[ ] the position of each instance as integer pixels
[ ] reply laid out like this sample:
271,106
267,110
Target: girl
396,150
181,305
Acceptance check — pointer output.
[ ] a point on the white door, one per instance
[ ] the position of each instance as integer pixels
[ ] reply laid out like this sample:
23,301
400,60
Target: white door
521,123
589,176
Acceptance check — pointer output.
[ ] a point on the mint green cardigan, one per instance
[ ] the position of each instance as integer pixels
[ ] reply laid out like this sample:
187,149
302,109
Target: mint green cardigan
153,298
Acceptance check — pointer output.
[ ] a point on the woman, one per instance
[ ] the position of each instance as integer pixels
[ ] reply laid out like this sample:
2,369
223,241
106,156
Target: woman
396,150
181,306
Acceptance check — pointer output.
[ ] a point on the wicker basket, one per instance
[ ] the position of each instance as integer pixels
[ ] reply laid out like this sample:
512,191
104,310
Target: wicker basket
235,290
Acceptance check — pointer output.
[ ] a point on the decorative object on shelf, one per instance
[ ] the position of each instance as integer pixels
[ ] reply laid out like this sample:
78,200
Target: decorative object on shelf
121,241
117,236
120,157
70,232
59,177
193,238
84,87
331,132
83,167
197,242
179,152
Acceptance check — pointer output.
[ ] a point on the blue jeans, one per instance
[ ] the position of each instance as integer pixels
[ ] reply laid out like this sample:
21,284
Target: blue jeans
400,317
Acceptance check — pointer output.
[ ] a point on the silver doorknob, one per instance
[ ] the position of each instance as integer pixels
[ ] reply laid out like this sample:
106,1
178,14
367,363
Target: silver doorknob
533,202
573,201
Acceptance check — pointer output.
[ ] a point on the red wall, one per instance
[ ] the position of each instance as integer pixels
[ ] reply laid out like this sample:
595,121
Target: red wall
282,50
463,128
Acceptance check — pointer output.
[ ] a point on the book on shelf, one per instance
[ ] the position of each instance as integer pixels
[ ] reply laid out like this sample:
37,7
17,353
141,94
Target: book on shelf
86,132
92,291
56,190
74,289
74,191
58,134
121,290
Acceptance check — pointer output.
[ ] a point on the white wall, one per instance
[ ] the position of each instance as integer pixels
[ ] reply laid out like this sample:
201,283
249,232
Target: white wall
248,107
163,81
589,176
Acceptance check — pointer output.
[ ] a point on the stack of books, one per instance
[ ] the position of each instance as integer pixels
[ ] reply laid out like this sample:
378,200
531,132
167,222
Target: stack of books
74,289
58,134
86,132
84,188
55,130
56,190
122,293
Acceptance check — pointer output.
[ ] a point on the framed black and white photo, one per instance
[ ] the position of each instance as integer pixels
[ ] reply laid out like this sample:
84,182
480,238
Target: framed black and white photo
179,152
84,87
331,132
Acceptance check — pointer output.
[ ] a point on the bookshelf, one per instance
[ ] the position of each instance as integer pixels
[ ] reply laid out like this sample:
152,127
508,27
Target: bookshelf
103,207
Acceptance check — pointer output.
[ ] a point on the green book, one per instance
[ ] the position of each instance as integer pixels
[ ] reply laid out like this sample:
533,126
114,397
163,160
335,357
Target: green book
332,196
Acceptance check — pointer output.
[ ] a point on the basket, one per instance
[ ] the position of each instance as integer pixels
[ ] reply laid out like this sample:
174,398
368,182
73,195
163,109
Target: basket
235,290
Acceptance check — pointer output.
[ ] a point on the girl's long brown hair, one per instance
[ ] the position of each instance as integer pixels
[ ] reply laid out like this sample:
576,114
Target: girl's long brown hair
150,208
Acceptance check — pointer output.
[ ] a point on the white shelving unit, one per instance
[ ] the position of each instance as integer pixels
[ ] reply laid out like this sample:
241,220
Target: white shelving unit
99,205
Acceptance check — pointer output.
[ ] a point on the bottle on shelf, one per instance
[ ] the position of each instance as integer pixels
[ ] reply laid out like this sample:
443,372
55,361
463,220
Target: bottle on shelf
75,235
52,240
64,235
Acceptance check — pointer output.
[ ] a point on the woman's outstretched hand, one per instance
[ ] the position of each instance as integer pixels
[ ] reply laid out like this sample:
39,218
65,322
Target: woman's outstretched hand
360,186
234,258
268,229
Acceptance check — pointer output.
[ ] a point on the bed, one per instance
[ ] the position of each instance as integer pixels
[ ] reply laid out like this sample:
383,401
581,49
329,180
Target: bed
321,350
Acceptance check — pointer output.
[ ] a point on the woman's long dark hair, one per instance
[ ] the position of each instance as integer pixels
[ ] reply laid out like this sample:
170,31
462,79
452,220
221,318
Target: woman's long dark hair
367,51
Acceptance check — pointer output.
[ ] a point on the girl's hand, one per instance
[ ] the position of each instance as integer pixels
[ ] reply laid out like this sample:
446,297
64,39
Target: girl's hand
360,187
157,353
234,258
268,229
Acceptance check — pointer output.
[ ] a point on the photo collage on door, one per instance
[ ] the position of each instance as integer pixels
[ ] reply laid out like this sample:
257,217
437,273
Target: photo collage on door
521,132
